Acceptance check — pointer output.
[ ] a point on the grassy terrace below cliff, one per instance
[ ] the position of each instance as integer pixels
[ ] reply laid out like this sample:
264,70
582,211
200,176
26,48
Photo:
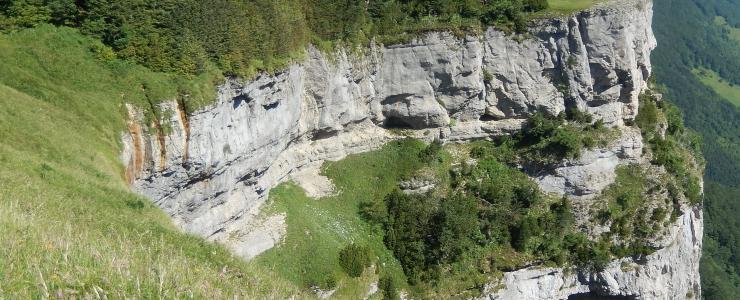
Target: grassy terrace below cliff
71,226
483,216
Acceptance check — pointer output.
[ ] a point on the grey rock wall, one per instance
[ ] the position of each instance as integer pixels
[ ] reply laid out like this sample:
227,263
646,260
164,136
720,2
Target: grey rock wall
669,273
214,170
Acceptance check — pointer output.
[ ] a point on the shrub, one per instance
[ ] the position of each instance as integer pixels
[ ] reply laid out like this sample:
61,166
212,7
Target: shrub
647,116
674,118
566,143
546,139
564,214
571,62
431,153
599,124
579,116
536,5
599,255
459,215
522,232
667,152
374,212
487,76
408,231
389,288
659,214
538,128
693,190
354,259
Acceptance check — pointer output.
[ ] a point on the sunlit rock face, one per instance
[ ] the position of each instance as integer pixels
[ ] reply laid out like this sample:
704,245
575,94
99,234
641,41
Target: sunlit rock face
215,168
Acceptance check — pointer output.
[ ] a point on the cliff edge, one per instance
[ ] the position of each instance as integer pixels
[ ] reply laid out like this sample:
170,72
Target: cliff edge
216,166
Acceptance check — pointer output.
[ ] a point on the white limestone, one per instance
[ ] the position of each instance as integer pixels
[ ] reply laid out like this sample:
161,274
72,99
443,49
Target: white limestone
219,164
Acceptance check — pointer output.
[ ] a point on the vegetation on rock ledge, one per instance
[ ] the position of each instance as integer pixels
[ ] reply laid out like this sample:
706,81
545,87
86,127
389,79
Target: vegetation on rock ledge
484,217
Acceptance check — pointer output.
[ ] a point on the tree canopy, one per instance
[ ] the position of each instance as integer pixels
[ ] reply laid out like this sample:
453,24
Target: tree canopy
249,35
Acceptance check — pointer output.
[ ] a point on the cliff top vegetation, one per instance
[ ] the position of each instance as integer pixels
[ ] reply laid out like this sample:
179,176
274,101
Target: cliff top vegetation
244,37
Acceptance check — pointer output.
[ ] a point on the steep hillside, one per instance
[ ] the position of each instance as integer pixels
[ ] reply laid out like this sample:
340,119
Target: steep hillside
690,39
446,159
69,225
215,171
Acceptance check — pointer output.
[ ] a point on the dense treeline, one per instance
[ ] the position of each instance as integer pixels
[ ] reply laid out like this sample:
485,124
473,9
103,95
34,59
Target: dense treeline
245,36
695,41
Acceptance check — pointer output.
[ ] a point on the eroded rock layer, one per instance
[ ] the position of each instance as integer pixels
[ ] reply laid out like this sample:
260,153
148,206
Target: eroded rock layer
215,168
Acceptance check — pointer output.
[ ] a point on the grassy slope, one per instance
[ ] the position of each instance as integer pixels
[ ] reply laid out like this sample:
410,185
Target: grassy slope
568,6
318,229
68,223
723,88
734,32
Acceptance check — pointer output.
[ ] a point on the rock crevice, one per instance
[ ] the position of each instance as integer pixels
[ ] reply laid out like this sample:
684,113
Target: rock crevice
221,161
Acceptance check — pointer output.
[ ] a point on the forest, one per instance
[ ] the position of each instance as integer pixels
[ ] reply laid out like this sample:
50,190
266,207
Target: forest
243,37
697,42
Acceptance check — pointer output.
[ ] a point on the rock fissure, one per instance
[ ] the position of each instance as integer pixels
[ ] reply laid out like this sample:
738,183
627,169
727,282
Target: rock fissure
261,132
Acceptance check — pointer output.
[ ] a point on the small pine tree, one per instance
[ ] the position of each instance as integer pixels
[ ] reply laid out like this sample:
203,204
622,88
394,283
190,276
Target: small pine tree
354,259
388,286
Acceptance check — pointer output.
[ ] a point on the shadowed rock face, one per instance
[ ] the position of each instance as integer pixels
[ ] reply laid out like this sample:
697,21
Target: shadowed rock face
215,168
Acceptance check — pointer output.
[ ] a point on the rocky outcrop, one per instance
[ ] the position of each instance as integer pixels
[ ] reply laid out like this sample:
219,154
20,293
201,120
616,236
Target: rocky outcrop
213,171
669,273
585,177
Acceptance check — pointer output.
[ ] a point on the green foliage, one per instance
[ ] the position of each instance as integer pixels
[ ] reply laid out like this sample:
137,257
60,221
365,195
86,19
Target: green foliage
692,42
489,209
388,286
719,265
69,224
727,90
318,230
546,139
571,62
459,227
432,152
374,212
536,5
674,118
677,149
647,116
487,76
410,232
354,259
579,116
23,13
243,37
568,6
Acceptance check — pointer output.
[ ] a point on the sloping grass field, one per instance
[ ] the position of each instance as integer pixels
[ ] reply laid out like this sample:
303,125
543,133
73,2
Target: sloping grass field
722,87
569,6
69,227
319,228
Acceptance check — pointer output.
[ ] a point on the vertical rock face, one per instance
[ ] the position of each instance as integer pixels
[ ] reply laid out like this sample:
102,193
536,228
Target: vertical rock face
215,168
670,273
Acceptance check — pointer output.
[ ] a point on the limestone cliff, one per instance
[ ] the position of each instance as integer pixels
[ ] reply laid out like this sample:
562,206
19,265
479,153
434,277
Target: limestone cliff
218,164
